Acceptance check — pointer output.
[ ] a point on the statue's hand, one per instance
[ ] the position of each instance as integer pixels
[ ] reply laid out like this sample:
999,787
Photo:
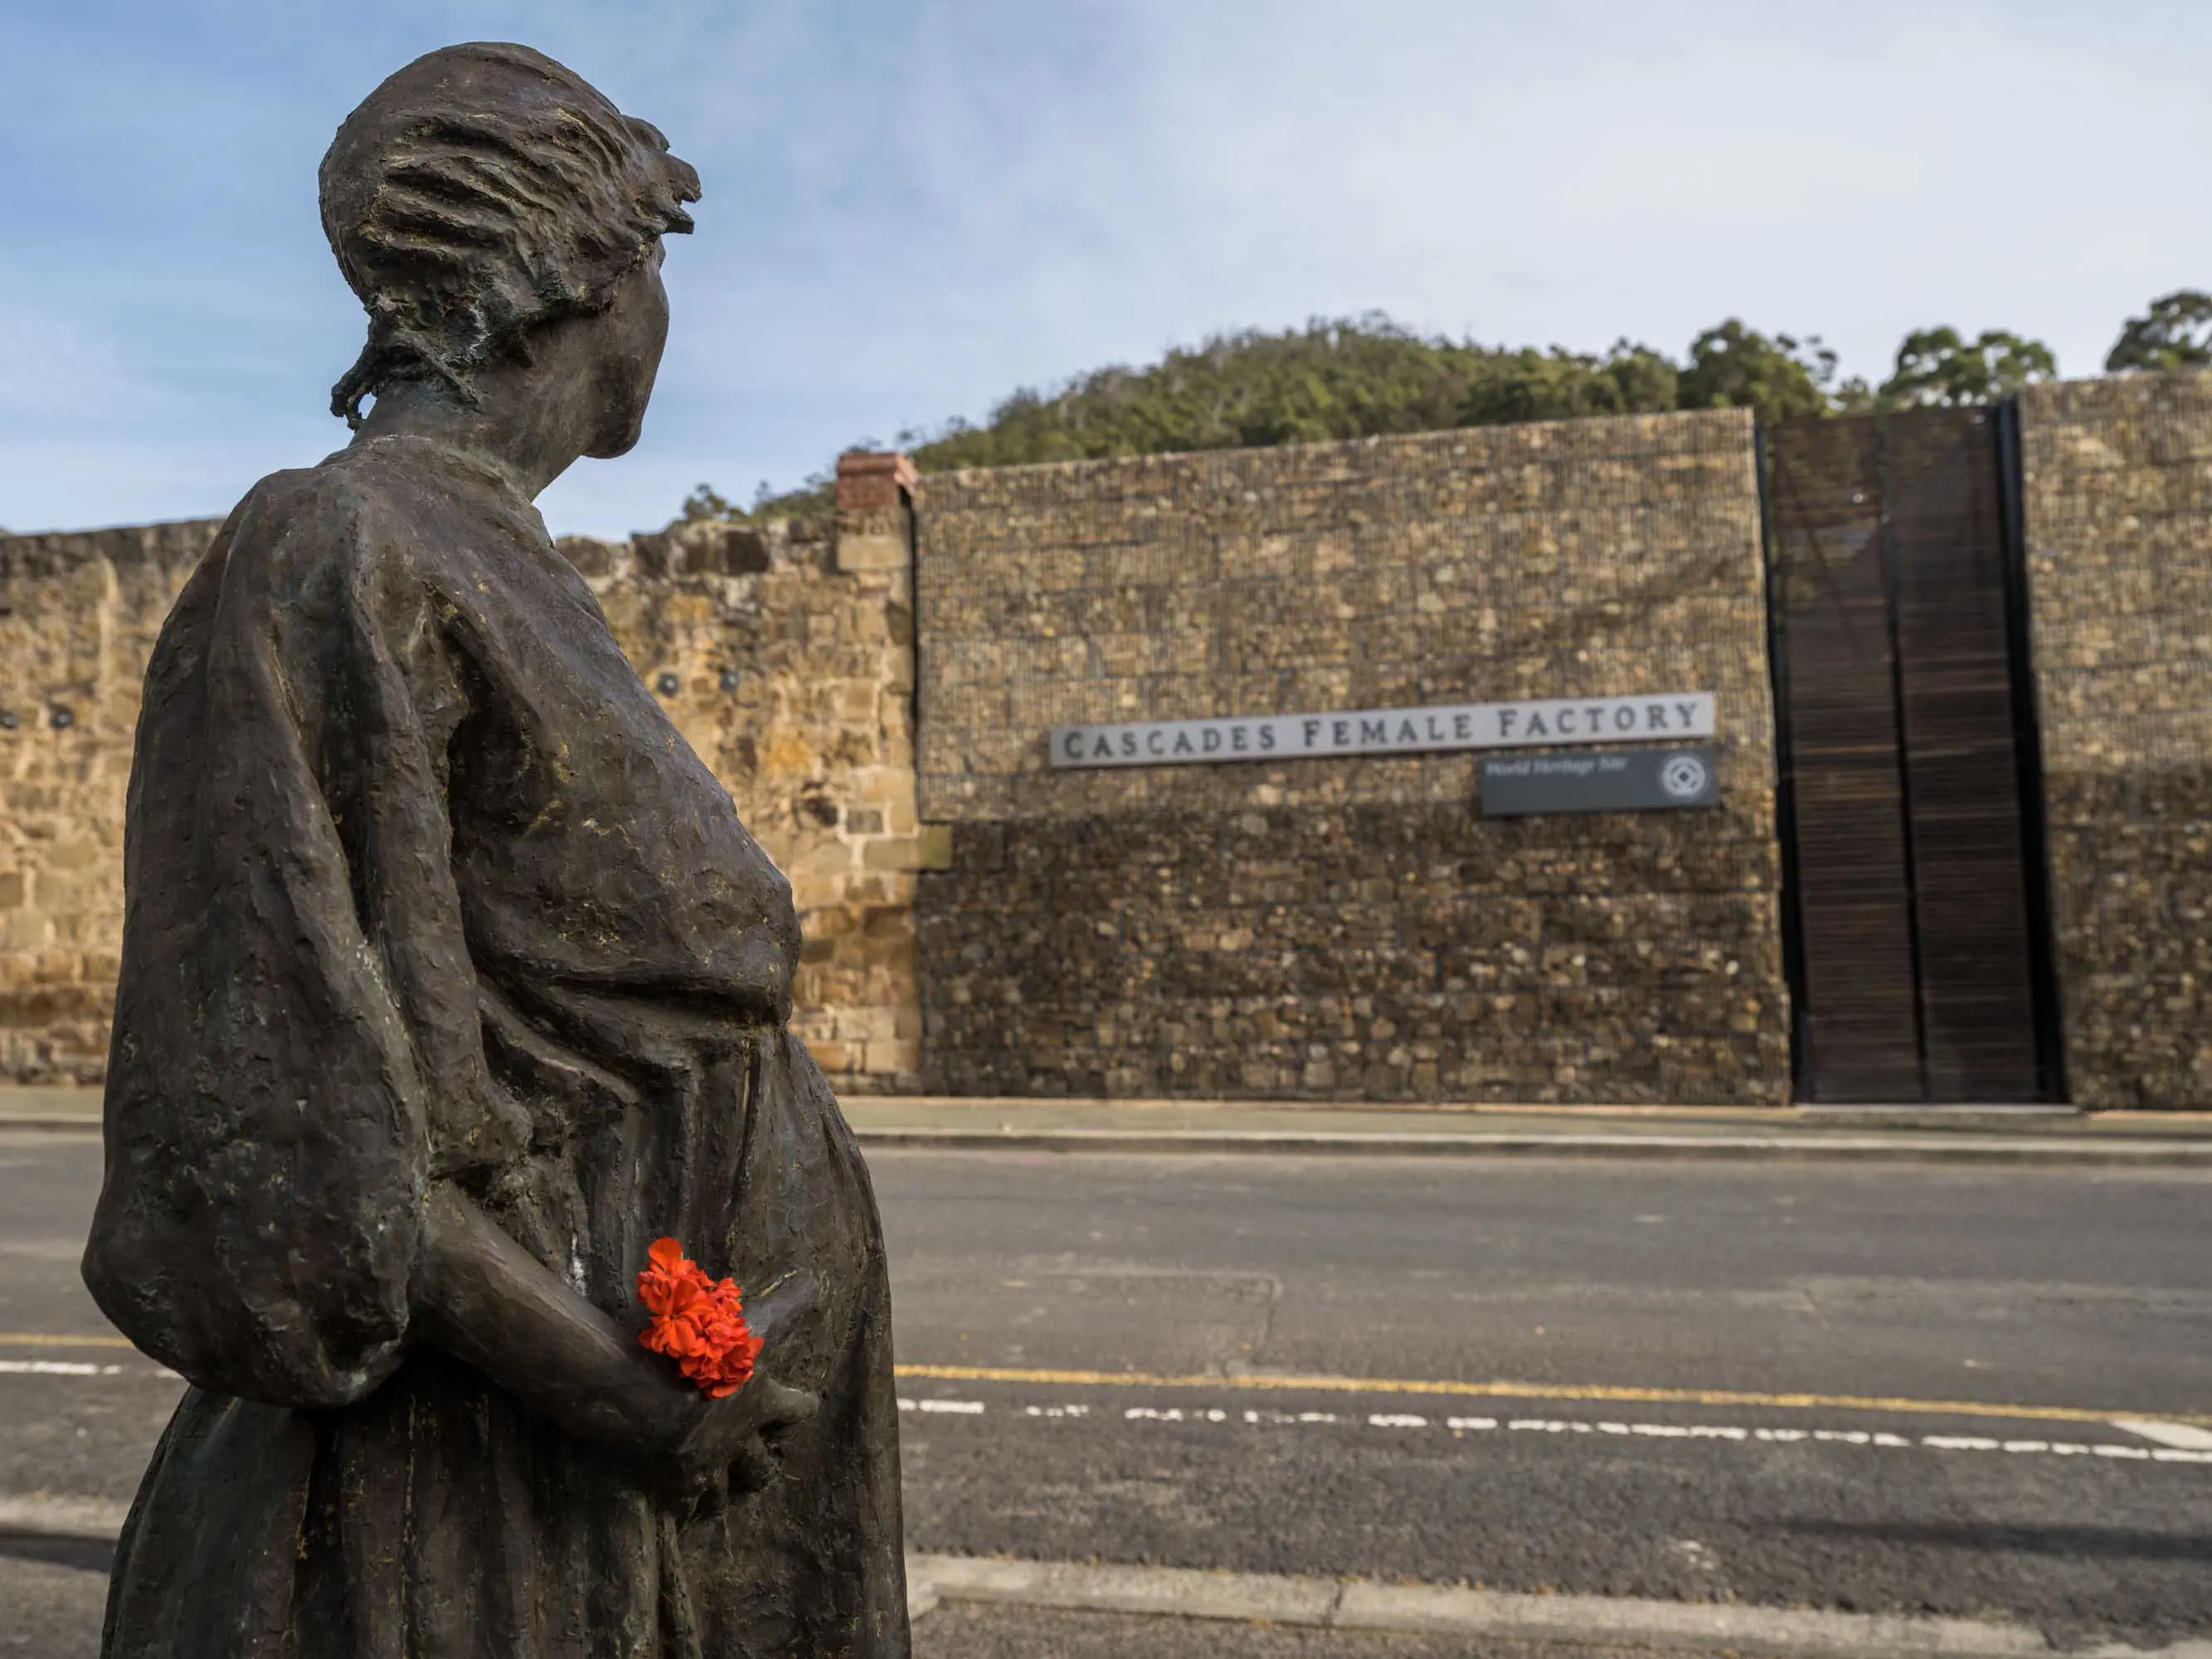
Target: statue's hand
730,1447
727,1445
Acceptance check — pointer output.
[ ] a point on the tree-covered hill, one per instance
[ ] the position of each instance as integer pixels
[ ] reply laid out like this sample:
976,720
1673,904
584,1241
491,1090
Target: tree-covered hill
1339,380
1355,378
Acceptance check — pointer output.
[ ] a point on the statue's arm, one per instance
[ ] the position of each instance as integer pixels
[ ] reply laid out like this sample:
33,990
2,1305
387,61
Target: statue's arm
484,1299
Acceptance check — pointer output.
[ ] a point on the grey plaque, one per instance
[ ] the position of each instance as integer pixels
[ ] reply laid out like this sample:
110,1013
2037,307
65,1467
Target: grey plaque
1598,781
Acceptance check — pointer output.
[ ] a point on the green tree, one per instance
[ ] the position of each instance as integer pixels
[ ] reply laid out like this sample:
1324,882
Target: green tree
1350,378
1733,367
705,502
1505,387
1938,366
817,495
2175,333
1346,378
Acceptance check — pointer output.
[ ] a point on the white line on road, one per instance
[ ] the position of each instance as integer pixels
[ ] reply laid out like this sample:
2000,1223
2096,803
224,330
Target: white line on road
2178,1443
1174,1414
2182,1436
57,1367
1557,1425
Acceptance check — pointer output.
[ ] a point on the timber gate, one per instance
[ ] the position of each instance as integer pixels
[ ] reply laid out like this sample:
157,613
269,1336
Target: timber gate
1911,818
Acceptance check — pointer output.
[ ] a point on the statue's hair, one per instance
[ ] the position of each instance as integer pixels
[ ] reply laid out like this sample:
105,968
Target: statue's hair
480,191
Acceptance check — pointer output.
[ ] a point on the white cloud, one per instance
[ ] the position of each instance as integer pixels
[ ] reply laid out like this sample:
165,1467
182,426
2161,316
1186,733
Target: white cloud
913,208
1671,180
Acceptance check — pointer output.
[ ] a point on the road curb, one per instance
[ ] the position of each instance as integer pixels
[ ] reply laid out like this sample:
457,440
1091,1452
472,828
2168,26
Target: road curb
2010,1137
1855,1149
1354,1604
1427,1609
2051,1152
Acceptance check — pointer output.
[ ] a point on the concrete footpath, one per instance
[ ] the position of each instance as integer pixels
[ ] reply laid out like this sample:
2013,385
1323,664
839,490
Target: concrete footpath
1979,1135
2030,1135
1621,1624
1627,1625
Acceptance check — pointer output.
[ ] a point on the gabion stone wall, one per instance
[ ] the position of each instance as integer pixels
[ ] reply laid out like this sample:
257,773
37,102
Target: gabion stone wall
1346,928
2117,482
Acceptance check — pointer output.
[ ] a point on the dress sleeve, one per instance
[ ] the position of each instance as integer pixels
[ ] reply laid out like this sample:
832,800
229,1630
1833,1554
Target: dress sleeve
297,1051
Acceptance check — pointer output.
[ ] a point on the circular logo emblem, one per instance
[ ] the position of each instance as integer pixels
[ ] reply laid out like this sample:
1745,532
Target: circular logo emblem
1683,777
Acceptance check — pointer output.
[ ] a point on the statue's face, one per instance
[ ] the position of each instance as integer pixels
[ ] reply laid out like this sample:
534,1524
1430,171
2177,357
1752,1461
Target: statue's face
629,337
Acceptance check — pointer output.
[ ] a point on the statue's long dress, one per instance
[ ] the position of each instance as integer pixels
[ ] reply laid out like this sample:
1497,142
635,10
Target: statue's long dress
422,886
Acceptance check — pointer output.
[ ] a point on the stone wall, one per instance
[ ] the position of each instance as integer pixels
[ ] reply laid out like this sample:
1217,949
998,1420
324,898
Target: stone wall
784,654
1329,929
1345,928
2118,486
78,614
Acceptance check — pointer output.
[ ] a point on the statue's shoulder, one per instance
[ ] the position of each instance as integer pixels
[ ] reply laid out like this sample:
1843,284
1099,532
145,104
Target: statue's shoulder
374,503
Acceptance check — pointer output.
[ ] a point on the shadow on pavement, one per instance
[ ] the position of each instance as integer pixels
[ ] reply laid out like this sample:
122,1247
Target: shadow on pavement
86,1554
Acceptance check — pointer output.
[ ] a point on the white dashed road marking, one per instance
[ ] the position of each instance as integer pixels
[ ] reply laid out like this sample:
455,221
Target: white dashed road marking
2182,1436
58,1368
2173,1443
1174,1414
1746,1434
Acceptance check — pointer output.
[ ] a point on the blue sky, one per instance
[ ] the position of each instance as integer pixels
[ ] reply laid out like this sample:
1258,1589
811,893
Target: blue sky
913,208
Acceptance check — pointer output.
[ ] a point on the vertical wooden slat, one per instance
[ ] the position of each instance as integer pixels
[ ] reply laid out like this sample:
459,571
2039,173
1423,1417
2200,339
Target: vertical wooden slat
1970,886
1916,937
1859,1027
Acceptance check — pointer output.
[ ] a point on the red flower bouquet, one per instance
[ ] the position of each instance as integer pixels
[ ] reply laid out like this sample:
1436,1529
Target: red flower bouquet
698,1322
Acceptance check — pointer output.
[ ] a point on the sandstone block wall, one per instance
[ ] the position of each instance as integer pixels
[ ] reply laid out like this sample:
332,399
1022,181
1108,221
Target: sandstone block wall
78,615
784,654
1345,928
2117,496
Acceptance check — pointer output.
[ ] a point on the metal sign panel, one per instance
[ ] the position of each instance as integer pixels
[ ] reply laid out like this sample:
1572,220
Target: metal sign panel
1387,730
1599,781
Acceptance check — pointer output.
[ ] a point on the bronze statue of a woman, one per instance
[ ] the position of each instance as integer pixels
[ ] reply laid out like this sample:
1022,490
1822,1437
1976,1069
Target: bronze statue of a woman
450,983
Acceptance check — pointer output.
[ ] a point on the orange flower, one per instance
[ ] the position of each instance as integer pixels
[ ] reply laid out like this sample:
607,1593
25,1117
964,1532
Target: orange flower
698,1322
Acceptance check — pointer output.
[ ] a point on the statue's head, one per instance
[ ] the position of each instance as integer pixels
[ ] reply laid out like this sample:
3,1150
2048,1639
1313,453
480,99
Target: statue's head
485,193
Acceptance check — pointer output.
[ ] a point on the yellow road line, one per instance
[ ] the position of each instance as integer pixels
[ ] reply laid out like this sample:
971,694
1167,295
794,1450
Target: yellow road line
49,1340
1594,1393
1504,1390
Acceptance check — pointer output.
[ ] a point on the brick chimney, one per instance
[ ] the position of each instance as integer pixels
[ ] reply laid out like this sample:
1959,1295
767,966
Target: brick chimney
875,482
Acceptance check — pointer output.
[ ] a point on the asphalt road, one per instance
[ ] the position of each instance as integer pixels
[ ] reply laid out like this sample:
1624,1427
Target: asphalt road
1644,1379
